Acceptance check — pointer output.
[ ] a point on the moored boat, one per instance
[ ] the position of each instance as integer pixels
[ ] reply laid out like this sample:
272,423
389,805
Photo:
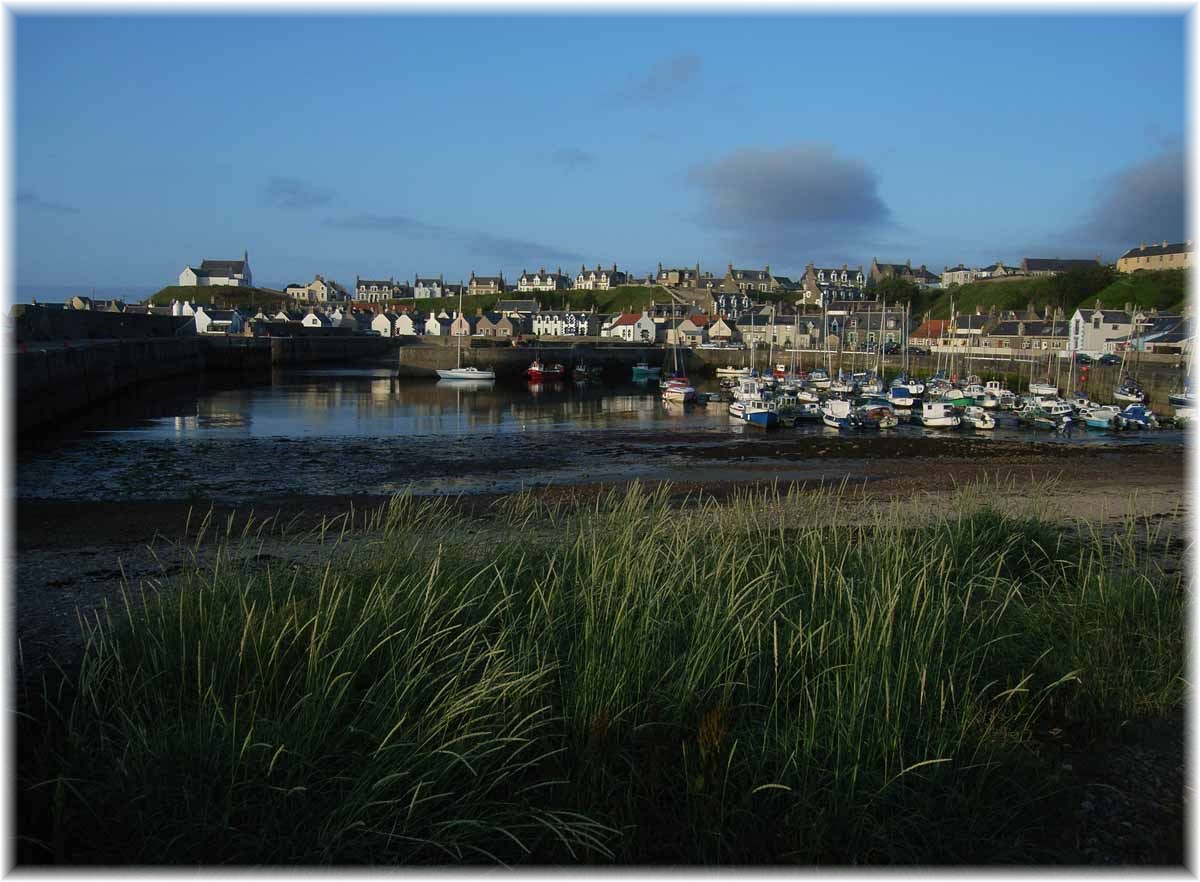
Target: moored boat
644,371
978,418
939,415
538,372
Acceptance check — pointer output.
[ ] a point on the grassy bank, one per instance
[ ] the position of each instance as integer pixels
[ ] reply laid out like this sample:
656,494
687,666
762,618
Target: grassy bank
222,296
764,679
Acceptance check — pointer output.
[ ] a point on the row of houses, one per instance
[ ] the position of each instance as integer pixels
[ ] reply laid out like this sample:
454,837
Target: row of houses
1093,331
1167,255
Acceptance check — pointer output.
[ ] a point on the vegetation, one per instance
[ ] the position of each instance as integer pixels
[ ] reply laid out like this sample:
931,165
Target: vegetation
1164,289
768,679
222,296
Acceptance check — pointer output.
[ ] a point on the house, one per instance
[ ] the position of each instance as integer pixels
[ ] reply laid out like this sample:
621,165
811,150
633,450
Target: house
691,331
820,285
296,291
289,315
730,304
1157,332
543,281
1020,334
409,324
218,321
425,288
316,319
724,330
516,307
233,273
957,275
747,281
322,290
464,325
996,271
437,326
600,279
1156,257
919,276
375,290
385,323
1095,331
493,324
1043,266
633,328
486,285
563,323
682,277
932,332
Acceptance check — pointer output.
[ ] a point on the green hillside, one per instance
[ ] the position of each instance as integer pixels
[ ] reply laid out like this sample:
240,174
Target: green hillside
1163,289
220,296
625,298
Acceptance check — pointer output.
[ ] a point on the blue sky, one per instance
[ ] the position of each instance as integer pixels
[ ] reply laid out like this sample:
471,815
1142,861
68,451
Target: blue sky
396,145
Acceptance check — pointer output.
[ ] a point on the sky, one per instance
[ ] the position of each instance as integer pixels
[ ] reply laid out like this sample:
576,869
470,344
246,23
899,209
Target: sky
388,146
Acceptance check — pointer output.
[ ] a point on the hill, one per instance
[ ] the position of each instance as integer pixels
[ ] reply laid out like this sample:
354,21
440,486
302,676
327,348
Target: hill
1162,289
220,296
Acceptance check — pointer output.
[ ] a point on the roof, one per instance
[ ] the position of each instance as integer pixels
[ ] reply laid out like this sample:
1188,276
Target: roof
627,318
970,321
1107,316
752,275
386,283
1152,250
1047,264
221,267
487,280
932,328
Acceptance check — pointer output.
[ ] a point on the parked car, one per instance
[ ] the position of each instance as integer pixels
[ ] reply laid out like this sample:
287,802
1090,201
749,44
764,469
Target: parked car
1083,358
1108,358
891,348
917,350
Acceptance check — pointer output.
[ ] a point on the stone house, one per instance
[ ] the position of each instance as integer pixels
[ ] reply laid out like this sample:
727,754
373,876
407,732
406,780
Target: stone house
634,328
492,285
1045,266
1157,257
600,279
919,276
438,326
543,281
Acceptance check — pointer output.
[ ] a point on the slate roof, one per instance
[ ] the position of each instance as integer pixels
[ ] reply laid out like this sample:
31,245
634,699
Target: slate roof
418,281
378,283
1152,250
1048,264
221,267
752,275
1107,316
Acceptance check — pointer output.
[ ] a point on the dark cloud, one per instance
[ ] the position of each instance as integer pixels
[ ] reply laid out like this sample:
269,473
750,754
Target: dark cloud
1146,202
386,222
478,244
572,157
29,199
801,196
665,80
294,193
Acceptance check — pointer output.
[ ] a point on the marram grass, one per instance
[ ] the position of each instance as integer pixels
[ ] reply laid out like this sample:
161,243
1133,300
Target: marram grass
776,678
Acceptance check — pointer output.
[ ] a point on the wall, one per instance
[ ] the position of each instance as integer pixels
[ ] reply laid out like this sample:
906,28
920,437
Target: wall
34,324
51,382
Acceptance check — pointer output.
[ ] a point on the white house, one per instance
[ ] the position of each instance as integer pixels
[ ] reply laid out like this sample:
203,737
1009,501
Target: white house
409,325
560,323
385,323
316,320
296,291
1092,329
437,326
424,289
633,328
235,273
218,321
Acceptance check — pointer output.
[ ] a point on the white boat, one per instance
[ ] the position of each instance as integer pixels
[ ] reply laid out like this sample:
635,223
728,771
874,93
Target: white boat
838,413
464,373
974,391
978,418
735,372
756,413
1041,388
679,390
1098,416
939,415
818,379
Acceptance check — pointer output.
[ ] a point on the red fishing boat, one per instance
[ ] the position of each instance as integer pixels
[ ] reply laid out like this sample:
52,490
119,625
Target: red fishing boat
539,372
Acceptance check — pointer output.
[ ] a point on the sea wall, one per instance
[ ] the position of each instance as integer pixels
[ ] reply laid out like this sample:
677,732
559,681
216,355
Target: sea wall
56,380
33,324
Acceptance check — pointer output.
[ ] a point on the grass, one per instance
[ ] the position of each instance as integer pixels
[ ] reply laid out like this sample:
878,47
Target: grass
221,296
782,677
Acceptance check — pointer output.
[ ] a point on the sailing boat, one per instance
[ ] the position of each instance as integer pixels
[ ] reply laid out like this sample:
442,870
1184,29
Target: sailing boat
464,373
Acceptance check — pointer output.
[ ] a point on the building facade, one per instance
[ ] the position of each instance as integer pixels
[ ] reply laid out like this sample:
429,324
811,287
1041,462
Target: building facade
1157,257
231,273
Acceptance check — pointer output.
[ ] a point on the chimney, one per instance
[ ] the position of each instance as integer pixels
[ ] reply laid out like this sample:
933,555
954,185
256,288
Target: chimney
1142,247
1128,307
1164,243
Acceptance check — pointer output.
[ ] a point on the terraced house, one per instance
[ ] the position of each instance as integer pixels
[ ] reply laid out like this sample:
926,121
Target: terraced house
565,323
1157,257
820,285
543,281
377,290
599,279
425,288
919,276
1046,266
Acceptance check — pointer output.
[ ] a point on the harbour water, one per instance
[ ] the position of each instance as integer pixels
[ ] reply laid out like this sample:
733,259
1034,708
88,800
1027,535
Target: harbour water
364,430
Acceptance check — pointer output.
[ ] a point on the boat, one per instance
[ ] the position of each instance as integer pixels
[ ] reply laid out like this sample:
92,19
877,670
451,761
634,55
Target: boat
879,415
978,418
1184,415
1098,416
1043,387
458,372
583,371
756,413
1135,416
939,415
900,396
1182,399
643,371
679,390
818,379
837,413
733,372
1129,392
540,373
914,387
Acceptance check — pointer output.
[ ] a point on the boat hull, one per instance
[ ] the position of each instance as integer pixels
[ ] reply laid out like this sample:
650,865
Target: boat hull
466,374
